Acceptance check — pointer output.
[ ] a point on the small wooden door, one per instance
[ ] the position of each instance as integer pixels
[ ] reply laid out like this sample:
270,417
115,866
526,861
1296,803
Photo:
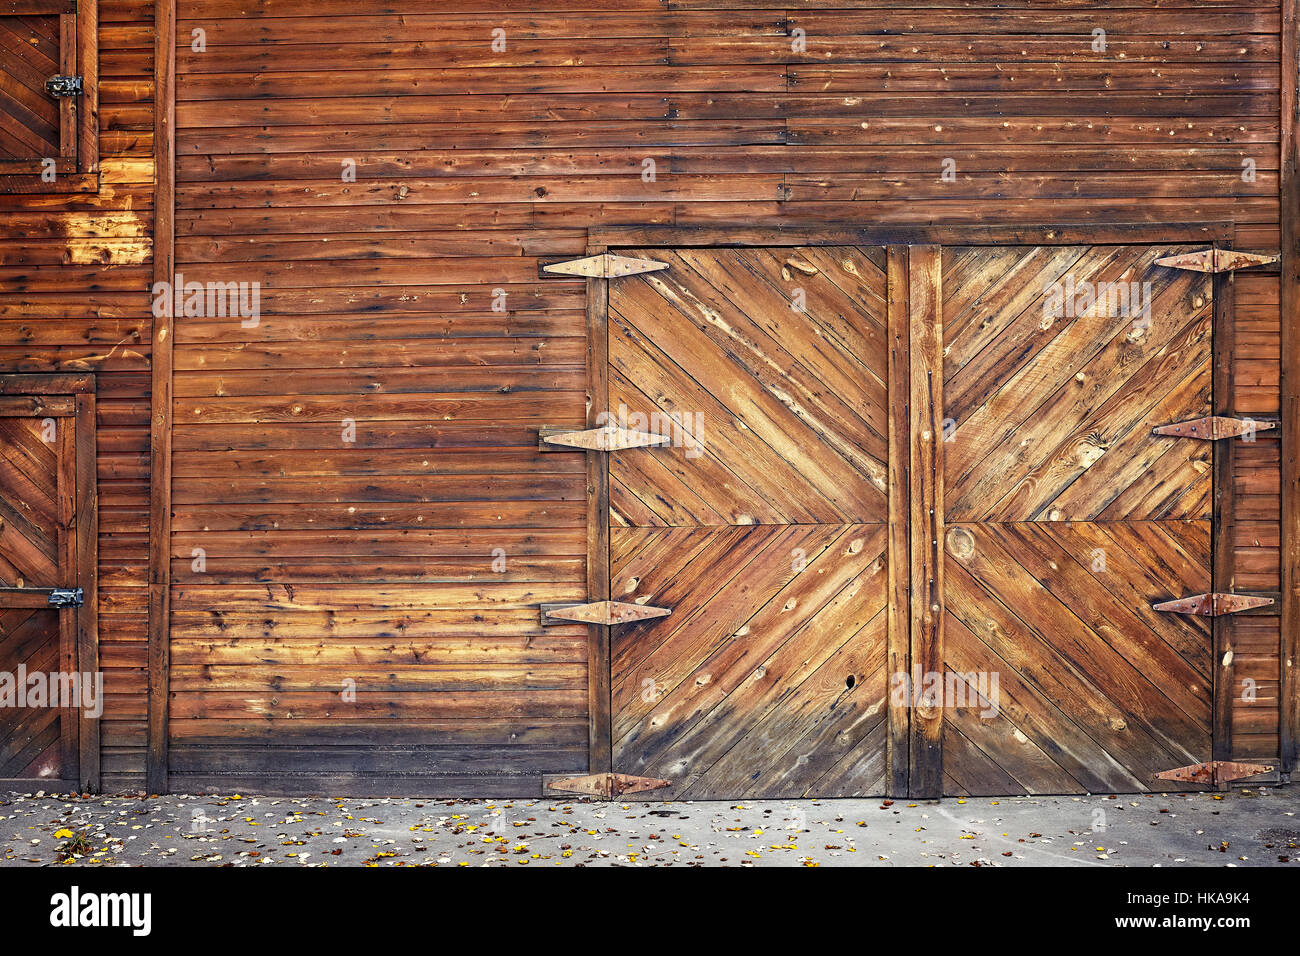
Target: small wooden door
50,694
763,525
1066,518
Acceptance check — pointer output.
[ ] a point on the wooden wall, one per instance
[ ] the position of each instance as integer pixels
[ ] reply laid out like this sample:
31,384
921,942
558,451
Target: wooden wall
372,561
326,561
74,281
1257,530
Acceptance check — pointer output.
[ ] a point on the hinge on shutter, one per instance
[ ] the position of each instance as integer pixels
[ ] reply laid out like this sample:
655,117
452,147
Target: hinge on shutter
1217,260
604,266
60,86
605,438
607,785
1215,428
1215,773
600,612
1214,604
67,597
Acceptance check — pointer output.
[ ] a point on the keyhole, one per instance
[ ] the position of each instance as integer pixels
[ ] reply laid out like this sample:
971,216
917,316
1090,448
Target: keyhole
848,681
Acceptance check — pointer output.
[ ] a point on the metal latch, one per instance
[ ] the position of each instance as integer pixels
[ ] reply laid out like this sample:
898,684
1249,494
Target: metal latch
60,86
67,597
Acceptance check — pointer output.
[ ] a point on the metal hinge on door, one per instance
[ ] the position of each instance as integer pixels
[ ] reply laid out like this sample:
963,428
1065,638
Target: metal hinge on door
1215,773
605,438
1217,260
600,612
604,266
1215,428
1214,604
607,785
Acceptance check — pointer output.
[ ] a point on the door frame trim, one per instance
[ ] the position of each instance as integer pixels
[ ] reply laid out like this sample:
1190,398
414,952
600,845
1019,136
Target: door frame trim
610,238
84,634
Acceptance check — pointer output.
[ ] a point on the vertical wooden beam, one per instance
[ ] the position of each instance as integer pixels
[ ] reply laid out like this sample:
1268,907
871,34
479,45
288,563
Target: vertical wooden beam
87,575
160,422
69,123
1289,690
926,517
898,650
600,750
1222,573
88,102
66,492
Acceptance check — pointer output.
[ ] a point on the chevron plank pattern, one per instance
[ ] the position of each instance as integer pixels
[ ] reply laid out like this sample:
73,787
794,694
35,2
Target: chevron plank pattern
1066,518
1096,692
30,738
790,404
769,680
29,117
1052,399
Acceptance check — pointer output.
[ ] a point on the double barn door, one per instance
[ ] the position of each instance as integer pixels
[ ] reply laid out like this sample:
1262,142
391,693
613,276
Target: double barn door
911,521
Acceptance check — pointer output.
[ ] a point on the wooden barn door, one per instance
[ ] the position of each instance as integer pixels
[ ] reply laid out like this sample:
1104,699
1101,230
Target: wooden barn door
47,566
913,520
1065,518
763,525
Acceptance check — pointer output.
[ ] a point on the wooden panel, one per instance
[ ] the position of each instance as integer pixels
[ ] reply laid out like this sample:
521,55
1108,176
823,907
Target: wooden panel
38,549
763,527
1094,691
926,514
778,415
1059,362
29,117
770,678
1067,518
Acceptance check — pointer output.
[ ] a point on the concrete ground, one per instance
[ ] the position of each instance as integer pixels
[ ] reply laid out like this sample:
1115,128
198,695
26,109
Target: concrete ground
1255,827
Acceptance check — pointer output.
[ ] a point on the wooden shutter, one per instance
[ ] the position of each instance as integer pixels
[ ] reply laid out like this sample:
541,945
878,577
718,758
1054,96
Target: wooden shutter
48,142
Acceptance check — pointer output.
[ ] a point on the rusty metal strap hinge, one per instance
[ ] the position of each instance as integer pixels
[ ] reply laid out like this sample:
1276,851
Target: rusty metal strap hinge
600,612
604,266
1214,772
1214,604
607,785
1216,428
605,438
60,86
1217,260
